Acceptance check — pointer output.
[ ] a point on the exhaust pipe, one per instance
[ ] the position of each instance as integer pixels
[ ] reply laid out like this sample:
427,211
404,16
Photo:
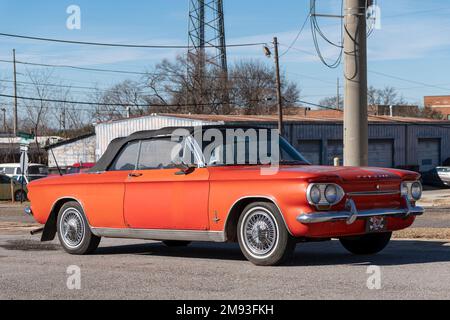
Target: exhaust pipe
37,231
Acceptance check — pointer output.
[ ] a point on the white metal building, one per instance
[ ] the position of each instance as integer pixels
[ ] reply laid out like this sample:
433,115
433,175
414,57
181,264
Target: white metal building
421,144
108,131
69,152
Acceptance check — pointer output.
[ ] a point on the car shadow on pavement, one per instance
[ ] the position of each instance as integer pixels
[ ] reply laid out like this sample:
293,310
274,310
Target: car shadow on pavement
399,252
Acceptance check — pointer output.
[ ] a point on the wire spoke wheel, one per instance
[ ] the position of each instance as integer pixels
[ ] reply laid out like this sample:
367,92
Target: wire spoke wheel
260,232
72,228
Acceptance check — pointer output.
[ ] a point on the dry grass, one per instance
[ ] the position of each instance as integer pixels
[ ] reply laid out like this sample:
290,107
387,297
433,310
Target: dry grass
424,233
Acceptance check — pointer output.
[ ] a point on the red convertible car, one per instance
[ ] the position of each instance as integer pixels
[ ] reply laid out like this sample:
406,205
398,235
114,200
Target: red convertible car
223,184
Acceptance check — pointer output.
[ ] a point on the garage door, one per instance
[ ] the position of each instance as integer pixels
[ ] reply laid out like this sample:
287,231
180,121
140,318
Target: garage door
311,150
335,149
429,154
381,153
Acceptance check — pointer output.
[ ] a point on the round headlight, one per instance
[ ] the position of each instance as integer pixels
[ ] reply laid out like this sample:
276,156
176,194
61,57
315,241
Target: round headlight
416,191
331,193
315,194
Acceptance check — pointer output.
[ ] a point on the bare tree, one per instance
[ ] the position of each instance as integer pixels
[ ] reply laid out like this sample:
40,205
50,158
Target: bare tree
332,102
385,96
187,85
116,102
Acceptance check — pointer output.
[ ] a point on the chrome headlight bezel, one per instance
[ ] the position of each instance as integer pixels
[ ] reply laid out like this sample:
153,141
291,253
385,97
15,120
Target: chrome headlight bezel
412,190
322,187
315,195
331,198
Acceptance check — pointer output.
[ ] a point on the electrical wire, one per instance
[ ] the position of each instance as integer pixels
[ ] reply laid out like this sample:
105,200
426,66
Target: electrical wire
117,104
298,34
104,44
64,66
316,32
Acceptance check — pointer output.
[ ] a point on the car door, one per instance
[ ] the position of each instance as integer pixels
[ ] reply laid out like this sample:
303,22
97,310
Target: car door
103,192
159,196
5,188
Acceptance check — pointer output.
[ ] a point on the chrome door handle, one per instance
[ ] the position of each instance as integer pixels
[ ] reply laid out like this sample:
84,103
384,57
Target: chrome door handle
135,175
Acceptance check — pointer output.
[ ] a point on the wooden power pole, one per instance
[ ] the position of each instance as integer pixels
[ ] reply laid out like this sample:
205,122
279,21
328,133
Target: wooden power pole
356,139
4,120
15,122
279,95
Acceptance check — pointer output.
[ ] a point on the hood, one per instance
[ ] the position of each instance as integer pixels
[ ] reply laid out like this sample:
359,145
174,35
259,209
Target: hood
319,173
346,174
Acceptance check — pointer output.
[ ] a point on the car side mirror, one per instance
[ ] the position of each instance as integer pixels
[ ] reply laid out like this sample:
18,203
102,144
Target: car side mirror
185,169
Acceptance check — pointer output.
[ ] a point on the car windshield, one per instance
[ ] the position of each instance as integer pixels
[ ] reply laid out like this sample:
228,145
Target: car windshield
8,170
37,170
250,150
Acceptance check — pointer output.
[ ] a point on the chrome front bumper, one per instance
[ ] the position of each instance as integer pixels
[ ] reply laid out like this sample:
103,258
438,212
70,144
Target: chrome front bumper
351,214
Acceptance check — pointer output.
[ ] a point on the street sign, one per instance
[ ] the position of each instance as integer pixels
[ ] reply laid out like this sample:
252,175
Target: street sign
26,136
25,142
24,160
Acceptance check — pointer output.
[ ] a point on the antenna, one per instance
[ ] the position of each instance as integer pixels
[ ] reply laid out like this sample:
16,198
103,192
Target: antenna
56,162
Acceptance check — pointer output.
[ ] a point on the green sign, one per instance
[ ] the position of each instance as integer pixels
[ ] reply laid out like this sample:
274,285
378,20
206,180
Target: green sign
26,136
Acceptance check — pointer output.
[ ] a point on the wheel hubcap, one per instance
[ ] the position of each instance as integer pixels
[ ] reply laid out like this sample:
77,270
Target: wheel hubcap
260,232
72,228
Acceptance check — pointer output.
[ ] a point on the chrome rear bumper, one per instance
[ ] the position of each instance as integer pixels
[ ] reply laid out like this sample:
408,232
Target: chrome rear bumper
351,214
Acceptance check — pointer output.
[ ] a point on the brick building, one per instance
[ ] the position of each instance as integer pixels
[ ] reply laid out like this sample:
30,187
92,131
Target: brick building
440,104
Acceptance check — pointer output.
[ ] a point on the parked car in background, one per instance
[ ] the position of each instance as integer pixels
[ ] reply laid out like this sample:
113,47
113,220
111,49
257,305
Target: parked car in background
35,172
444,175
79,167
173,186
438,177
6,192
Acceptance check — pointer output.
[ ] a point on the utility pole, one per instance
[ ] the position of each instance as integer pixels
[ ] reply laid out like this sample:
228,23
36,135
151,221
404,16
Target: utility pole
15,125
355,74
338,96
4,120
279,96
63,121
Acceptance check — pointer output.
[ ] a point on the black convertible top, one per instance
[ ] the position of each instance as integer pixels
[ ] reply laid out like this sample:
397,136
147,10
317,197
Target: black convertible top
117,144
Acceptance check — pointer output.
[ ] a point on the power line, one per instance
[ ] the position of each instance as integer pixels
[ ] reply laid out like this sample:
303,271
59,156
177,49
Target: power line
316,30
116,104
173,73
104,44
298,34
407,80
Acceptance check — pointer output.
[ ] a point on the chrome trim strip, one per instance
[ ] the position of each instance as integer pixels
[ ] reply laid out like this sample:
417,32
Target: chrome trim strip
154,234
374,193
351,214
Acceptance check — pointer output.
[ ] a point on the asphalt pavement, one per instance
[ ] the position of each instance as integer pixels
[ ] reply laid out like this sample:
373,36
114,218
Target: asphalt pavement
124,269
130,269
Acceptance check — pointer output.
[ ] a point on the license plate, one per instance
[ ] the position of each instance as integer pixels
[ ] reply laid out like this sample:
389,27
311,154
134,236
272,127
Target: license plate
376,224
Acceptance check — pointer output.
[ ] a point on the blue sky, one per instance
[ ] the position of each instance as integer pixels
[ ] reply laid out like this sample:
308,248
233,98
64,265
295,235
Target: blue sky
413,42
